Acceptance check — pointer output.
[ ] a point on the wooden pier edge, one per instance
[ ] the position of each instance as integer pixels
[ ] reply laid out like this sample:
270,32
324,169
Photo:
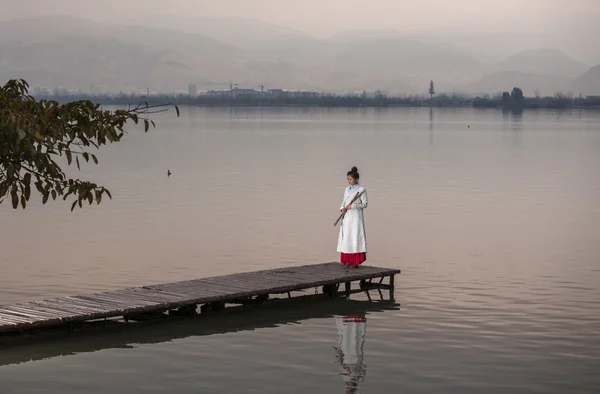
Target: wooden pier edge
185,296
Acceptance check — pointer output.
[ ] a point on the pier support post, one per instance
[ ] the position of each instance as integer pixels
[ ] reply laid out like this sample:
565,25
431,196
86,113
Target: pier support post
330,290
348,286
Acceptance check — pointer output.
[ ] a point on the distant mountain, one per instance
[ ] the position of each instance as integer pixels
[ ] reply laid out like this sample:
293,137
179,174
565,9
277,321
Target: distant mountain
543,61
528,82
588,83
75,53
243,33
413,60
366,35
48,28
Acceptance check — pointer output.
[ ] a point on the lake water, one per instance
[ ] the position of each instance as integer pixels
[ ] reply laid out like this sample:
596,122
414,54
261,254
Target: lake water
493,219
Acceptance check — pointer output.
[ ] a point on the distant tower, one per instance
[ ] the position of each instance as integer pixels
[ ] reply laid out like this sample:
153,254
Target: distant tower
431,89
192,91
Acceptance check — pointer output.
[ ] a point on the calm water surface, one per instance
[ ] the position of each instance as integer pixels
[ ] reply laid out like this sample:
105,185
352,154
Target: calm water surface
493,219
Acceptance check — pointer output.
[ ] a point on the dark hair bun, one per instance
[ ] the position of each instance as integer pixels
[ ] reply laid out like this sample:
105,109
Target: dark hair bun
353,173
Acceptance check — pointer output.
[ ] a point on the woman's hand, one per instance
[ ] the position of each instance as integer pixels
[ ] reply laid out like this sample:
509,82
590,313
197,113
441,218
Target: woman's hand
343,210
348,207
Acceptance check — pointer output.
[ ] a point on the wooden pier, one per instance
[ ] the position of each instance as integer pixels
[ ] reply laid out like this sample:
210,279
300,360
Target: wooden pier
183,298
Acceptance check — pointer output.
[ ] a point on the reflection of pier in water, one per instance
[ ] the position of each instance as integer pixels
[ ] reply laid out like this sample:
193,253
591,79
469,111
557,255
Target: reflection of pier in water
271,314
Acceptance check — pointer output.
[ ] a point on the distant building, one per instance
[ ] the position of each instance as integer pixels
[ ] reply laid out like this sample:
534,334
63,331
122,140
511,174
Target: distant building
192,91
374,94
244,93
218,93
302,94
268,94
276,93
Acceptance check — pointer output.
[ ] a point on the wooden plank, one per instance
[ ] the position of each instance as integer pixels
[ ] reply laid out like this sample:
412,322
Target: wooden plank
258,283
153,295
130,296
189,291
55,312
11,320
227,288
71,304
94,301
255,283
69,308
15,317
97,305
117,302
36,314
44,306
170,295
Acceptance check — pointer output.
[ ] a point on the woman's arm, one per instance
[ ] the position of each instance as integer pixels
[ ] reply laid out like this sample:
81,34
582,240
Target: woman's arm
361,202
342,207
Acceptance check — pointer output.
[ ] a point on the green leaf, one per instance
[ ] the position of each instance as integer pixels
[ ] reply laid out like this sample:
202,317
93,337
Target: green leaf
73,206
95,159
14,197
108,193
54,195
146,125
45,198
77,160
177,110
69,156
23,202
27,191
86,156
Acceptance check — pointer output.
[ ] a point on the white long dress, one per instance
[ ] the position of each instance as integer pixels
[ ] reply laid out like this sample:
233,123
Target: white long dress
352,237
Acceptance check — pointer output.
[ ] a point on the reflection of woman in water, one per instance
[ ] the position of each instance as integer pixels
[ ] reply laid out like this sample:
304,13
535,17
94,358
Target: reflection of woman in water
352,330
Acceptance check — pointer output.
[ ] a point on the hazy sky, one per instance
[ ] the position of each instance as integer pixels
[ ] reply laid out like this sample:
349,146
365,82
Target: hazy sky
327,16
572,23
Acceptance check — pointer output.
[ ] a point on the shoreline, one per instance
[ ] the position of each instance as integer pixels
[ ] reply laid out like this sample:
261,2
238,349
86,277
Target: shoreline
590,103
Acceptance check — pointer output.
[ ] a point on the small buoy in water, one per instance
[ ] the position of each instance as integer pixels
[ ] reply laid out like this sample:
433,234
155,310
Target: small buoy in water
469,126
168,172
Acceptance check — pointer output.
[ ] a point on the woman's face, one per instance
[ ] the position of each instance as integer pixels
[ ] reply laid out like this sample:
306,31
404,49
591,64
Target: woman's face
352,181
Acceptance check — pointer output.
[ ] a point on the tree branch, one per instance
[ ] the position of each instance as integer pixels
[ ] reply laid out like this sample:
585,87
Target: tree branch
35,132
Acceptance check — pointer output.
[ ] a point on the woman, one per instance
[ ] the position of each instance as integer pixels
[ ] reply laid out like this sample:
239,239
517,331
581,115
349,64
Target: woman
352,240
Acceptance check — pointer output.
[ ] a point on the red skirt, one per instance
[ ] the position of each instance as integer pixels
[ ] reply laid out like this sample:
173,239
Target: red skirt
353,259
